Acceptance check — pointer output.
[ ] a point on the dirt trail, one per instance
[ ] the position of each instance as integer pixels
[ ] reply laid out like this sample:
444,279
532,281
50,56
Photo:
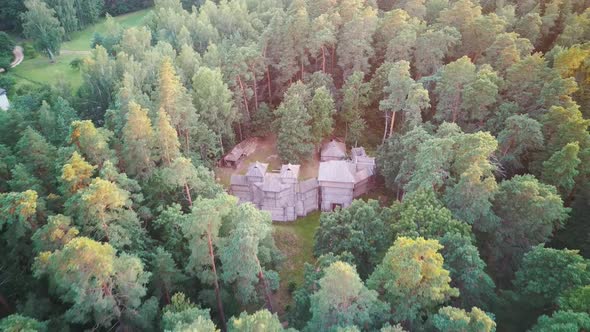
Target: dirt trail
18,56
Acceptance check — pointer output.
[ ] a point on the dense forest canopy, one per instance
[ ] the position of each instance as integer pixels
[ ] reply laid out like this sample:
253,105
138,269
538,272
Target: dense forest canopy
478,111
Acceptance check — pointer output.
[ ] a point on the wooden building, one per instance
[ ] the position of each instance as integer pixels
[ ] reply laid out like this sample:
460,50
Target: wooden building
341,181
280,193
333,150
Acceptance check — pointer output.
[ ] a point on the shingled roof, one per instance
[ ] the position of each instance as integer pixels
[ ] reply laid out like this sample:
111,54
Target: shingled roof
337,171
334,149
257,169
290,171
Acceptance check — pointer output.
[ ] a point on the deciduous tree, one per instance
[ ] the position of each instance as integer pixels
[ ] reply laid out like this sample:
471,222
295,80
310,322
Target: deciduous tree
41,25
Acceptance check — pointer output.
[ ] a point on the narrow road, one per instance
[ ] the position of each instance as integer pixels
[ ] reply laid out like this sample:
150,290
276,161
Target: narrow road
18,56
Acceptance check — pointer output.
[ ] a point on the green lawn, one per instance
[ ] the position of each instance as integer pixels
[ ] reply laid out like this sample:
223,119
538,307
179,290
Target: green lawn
41,70
295,240
81,39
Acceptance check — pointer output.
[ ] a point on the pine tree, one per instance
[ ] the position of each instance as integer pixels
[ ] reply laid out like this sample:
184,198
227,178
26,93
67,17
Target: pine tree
530,211
454,77
166,277
355,99
321,110
37,155
166,139
294,133
562,168
261,320
177,103
183,315
454,319
54,235
411,278
342,299
202,232
104,286
354,42
76,174
17,322
138,142
213,101
92,142
520,137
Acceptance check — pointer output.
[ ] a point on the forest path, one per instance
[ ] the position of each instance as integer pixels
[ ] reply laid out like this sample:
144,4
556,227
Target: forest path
19,56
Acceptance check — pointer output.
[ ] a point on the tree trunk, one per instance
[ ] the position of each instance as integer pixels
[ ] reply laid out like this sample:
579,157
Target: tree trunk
255,91
268,83
216,282
323,59
333,59
221,145
346,132
267,75
392,123
188,194
264,285
385,128
244,96
301,69
51,56
187,142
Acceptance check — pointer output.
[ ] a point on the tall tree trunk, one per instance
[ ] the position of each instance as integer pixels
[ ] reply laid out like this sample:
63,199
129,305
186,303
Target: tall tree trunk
51,56
301,69
508,147
323,59
187,142
255,91
215,281
188,194
267,76
268,84
385,128
392,123
244,96
221,145
333,59
264,285
346,132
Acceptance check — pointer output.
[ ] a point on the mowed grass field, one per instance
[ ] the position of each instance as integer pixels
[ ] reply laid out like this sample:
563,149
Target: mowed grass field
41,70
81,39
295,241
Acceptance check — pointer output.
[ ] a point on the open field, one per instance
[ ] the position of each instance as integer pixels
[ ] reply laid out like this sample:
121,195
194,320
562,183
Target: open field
41,70
81,39
295,240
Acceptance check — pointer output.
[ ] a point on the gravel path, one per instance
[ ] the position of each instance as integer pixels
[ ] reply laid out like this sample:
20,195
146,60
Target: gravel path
18,56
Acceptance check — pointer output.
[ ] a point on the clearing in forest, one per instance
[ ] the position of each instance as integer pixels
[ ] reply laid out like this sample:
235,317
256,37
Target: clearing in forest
266,152
295,241
41,70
